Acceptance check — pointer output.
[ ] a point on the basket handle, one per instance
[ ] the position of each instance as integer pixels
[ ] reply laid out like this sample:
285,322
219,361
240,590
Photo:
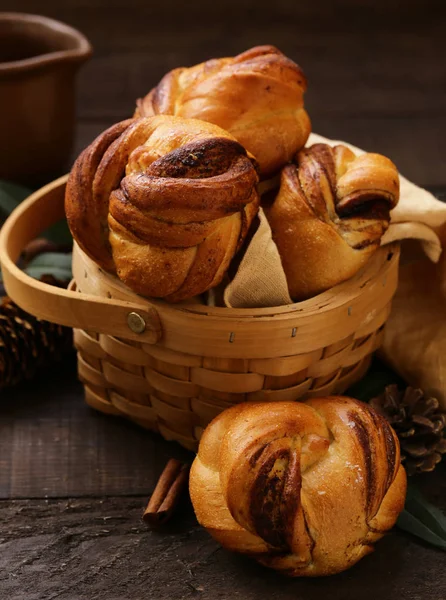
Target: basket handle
82,311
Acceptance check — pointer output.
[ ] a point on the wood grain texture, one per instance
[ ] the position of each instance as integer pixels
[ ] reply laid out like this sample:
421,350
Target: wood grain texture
100,549
376,69
377,78
414,143
53,445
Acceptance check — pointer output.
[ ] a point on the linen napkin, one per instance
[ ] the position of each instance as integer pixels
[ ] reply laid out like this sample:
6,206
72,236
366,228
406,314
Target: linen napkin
415,338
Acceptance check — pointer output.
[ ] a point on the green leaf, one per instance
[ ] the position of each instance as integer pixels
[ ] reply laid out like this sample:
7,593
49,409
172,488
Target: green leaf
422,519
417,504
51,259
59,233
407,522
56,264
374,381
11,194
58,273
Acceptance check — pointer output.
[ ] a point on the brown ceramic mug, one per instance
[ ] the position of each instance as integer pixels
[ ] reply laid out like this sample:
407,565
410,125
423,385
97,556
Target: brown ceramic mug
39,58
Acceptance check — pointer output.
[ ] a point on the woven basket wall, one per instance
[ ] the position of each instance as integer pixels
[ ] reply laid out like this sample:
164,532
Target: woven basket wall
172,368
203,360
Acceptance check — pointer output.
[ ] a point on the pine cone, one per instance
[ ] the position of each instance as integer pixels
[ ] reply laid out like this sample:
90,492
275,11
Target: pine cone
419,423
27,343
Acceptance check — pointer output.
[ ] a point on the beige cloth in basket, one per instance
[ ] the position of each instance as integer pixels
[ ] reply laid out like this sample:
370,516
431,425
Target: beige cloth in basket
415,340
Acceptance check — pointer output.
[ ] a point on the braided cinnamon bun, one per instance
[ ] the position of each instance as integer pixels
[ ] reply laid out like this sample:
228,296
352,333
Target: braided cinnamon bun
305,488
257,96
329,215
163,201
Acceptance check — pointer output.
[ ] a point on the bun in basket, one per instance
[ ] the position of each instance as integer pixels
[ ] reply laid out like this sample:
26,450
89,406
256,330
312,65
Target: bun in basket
329,215
257,96
305,488
164,202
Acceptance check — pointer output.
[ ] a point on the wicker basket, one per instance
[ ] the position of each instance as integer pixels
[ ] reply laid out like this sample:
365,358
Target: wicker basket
172,368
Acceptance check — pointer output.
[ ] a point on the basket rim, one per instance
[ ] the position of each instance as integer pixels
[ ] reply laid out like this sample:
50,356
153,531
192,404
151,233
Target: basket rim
342,294
229,333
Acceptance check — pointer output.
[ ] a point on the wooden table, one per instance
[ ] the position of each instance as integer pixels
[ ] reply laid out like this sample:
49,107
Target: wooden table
73,483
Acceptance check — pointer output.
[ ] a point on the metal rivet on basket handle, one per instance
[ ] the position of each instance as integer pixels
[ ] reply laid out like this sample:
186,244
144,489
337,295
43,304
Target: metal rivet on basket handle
136,322
148,324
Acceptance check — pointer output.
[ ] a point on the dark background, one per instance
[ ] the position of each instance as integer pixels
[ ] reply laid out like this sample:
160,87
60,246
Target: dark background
73,483
376,69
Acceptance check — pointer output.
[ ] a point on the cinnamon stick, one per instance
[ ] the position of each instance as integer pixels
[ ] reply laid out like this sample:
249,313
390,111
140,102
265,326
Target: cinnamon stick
164,499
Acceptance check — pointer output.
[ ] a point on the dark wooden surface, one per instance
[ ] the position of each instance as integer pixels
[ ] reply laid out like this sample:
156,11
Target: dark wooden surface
98,549
376,68
73,483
